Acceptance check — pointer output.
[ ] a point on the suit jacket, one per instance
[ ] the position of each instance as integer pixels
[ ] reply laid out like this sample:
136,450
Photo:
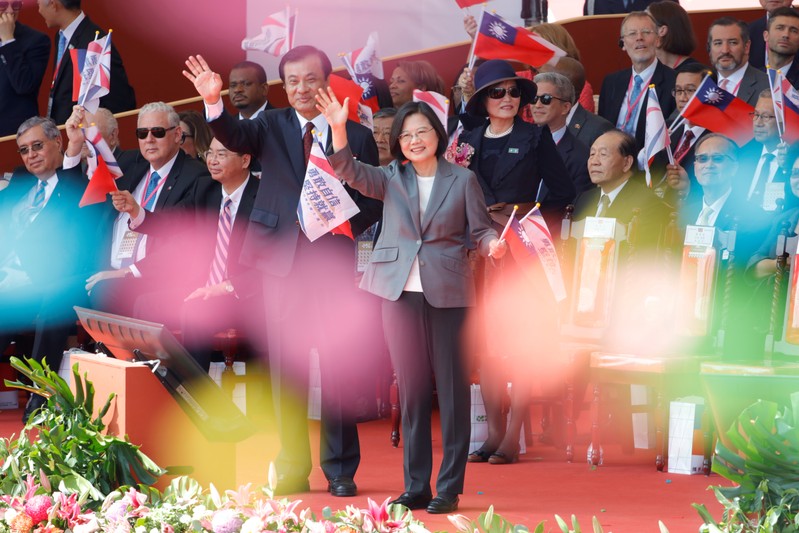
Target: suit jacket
531,157
575,156
586,126
56,246
748,159
179,185
610,7
121,97
768,246
455,215
271,239
634,195
757,48
753,82
198,220
614,89
793,73
23,63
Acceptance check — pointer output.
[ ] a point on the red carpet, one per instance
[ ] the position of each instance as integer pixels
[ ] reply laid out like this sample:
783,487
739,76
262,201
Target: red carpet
626,494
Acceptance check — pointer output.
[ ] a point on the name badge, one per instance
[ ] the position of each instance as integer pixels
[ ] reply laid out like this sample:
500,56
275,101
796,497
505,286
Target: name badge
513,150
774,191
599,228
128,245
701,236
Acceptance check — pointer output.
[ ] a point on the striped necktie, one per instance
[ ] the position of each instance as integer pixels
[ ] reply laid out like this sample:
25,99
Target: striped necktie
223,229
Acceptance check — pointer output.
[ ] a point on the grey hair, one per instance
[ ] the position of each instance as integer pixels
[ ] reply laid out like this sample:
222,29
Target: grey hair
48,127
562,84
161,107
108,118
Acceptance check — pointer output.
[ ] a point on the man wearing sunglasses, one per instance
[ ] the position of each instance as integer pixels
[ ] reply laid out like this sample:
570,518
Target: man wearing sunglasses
45,245
23,61
160,176
76,30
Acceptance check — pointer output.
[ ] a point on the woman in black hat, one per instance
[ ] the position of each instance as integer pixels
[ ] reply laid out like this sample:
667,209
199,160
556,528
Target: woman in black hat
516,163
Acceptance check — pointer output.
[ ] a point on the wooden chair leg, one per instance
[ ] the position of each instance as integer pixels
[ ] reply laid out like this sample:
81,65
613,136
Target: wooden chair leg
568,408
595,456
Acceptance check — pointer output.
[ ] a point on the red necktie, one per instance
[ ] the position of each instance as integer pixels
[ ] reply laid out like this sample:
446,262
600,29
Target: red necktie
685,145
307,141
223,229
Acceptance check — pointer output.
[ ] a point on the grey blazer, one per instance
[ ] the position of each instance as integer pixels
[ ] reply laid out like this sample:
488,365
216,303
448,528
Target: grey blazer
752,84
456,216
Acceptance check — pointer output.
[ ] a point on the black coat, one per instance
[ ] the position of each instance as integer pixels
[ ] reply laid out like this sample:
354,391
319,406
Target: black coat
23,63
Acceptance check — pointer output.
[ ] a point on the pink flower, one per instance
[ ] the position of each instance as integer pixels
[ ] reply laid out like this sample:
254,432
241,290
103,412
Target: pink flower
459,154
226,521
38,507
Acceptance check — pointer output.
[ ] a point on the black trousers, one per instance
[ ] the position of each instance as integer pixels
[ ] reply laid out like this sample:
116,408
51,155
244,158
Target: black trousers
425,344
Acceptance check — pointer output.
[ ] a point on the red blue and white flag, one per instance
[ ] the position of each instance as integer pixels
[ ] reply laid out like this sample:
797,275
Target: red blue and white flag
498,39
96,73
656,136
438,102
466,3
786,106
719,111
538,234
78,56
325,206
277,34
364,66
102,169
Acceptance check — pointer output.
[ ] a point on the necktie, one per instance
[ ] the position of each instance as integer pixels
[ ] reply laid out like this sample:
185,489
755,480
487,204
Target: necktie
724,84
638,83
684,146
38,198
762,177
62,46
219,263
604,205
307,141
704,216
149,193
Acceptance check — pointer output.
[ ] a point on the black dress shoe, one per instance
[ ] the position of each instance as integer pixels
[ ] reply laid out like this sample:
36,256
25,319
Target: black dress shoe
443,503
34,403
413,500
342,486
291,485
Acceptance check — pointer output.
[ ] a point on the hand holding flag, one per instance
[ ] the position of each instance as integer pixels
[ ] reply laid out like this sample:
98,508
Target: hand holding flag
719,111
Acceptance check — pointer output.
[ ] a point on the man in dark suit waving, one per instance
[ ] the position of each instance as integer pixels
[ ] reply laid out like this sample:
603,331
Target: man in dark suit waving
75,30
306,284
23,61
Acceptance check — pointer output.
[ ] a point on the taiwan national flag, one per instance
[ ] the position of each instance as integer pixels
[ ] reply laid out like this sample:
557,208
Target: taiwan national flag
720,112
364,66
498,39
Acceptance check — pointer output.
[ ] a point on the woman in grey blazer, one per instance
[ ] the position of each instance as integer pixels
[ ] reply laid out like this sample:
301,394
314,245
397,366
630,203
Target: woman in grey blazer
432,210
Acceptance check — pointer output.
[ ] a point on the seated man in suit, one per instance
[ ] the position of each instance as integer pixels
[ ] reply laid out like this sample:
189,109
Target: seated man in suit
623,96
159,175
76,30
551,106
782,42
222,293
583,125
616,195
45,245
23,61
248,89
757,27
728,46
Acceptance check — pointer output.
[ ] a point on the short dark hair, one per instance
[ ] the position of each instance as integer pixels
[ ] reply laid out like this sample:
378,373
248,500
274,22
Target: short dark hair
260,73
385,112
72,5
729,21
693,68
412,108
298,53
781,12
732,147
627,145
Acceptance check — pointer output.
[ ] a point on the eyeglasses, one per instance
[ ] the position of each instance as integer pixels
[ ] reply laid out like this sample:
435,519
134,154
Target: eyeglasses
546,99
220,155
407,136
498,93
158,132
37,146
633,34
688,91
761,116
16,5
716,158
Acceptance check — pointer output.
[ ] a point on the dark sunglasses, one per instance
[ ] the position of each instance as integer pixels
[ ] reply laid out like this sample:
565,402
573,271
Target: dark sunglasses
158,132
546,99
16,5
498,93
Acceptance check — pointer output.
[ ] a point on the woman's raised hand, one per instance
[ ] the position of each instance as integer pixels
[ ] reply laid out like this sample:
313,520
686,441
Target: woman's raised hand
335,113
207,82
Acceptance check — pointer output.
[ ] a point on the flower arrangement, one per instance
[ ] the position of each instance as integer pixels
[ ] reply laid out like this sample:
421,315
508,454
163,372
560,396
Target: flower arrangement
459,154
